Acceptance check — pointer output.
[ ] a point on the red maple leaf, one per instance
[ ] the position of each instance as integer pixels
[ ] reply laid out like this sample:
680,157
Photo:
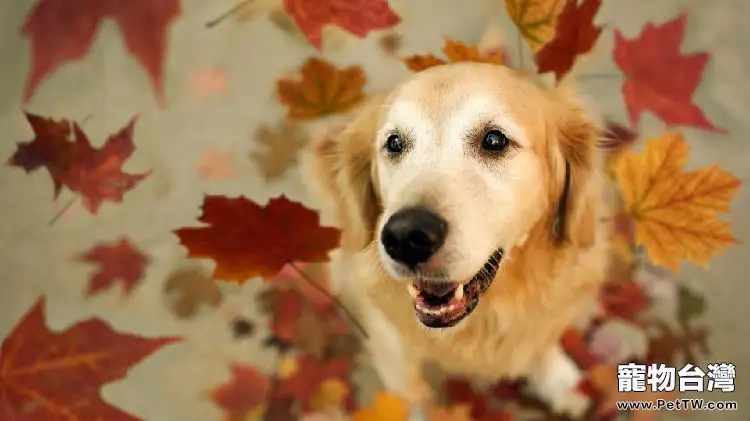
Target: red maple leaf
117,261
623,299
308,377
287,306
246,239
97,173
49,376
50,148
574,344
63,30
575,34
460,392
243,393
659,78
356,16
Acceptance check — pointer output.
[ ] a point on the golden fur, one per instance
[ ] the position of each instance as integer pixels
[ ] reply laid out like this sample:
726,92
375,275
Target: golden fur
543,281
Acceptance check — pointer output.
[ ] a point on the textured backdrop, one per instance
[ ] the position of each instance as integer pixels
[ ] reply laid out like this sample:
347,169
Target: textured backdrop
212,120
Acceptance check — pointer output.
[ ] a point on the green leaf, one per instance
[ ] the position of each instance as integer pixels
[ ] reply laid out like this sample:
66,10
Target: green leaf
690,304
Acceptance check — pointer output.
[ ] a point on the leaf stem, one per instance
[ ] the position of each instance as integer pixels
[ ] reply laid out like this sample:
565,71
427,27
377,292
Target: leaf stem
74,198
62,211
221,18
334,299
519,47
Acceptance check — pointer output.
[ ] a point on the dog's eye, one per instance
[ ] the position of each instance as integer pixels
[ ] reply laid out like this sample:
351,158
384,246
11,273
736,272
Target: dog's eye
495,141
394,144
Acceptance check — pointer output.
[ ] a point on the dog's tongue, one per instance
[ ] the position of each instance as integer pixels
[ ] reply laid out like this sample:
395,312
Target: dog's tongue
434,288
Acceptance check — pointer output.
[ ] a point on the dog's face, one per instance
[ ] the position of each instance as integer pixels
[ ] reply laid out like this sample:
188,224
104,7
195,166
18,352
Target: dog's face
463,161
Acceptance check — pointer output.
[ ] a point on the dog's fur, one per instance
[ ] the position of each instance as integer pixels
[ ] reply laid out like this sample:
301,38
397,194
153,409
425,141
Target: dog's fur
551,268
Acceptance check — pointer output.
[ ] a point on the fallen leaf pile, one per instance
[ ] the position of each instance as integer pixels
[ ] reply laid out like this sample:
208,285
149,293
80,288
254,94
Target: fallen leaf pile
669,213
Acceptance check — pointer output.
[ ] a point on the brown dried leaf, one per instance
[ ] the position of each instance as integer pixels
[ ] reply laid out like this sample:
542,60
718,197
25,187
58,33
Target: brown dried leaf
390,43
311,333
277,148
190,288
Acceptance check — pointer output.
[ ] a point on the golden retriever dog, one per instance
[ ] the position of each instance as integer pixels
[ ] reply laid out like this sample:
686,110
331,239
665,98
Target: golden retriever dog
470,203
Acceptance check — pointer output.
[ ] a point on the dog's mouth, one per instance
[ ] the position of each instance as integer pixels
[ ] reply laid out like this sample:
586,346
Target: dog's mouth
444,304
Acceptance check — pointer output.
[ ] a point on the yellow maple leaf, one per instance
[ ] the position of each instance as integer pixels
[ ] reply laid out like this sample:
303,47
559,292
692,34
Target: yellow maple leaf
329,394
675,211
387,407
321,90
535,19
455,51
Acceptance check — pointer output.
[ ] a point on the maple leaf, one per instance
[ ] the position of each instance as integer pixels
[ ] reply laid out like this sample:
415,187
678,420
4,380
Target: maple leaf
358,17
675,211
575,346
97,173
50,376
454,413
623,299
310,375
390,43
191,288
278,148
455,51
304,317
245,393
387,406
659,78
460,393
116,261
51,148
667,343
535,19
61,31
575,34
321,90
207,81
247,240
215,165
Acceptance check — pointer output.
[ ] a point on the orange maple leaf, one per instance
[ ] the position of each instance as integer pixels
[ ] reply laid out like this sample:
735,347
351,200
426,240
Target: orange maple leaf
455,51
387,407
53,376
675,211
207,81
246,239
575,34
321,90
215,165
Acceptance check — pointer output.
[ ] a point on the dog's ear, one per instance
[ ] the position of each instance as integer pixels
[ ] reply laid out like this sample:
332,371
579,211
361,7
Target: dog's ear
342,165
577,212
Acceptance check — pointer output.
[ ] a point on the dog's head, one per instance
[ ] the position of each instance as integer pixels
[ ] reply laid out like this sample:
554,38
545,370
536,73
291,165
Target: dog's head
454,169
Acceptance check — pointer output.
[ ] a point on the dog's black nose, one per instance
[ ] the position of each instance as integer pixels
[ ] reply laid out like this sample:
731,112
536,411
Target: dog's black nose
412,236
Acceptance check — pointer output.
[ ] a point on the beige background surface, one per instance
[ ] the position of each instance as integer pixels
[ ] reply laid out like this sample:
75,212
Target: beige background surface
110,86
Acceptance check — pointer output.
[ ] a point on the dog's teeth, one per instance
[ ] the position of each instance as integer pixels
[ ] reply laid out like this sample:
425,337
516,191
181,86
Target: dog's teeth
413,291
459,294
